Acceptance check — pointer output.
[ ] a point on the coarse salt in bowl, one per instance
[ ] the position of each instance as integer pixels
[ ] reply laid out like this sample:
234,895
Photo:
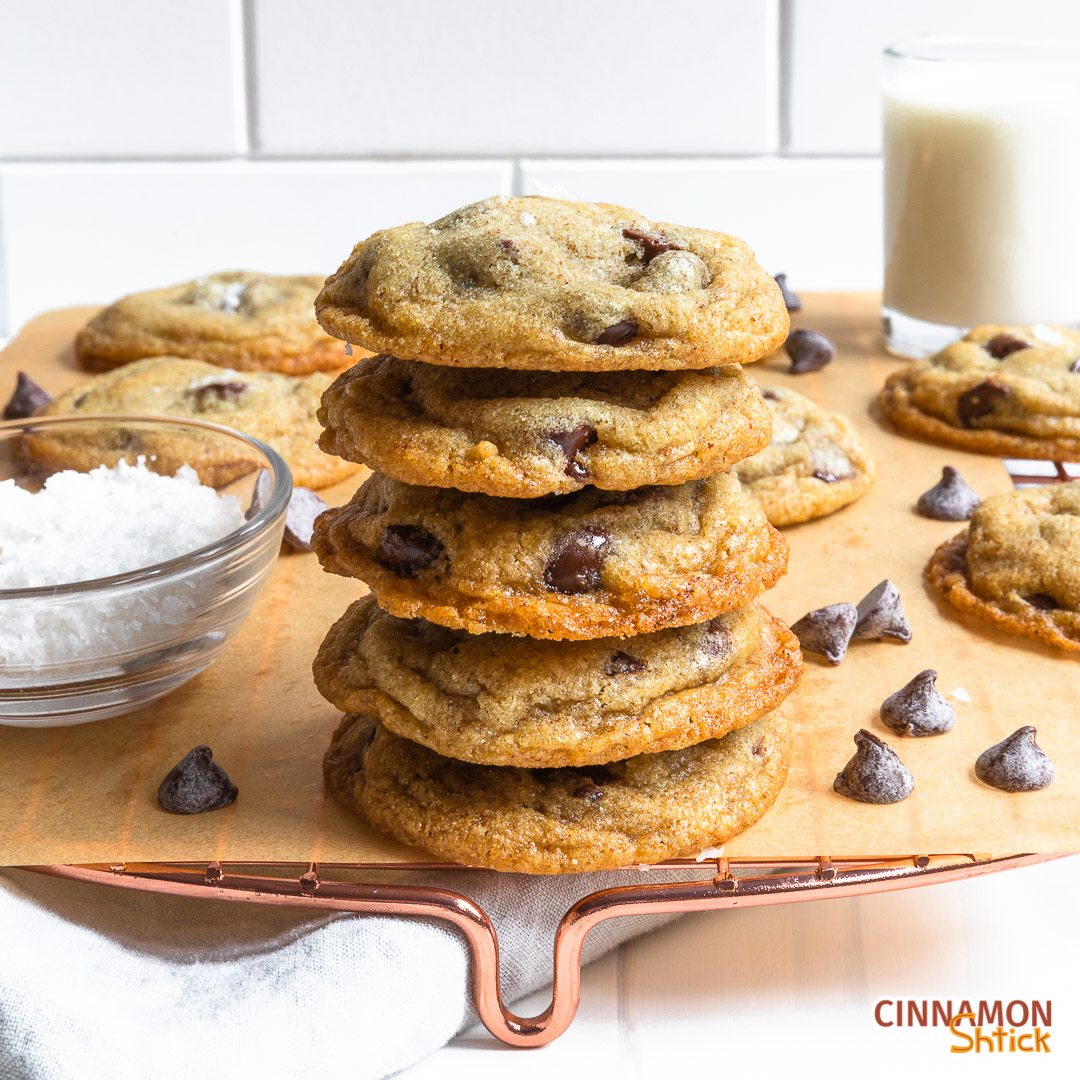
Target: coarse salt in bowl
131,549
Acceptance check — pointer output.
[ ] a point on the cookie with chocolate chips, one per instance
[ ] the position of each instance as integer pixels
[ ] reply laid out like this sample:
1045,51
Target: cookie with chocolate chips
530,433
544,284
236,319
1017,566
1008,390
494,699
555,821
586,565
815,463
278,409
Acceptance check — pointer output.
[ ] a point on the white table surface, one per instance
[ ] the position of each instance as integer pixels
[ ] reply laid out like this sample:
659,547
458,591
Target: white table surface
791,990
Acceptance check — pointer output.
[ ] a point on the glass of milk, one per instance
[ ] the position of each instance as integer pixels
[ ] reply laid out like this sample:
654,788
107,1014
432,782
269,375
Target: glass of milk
982,188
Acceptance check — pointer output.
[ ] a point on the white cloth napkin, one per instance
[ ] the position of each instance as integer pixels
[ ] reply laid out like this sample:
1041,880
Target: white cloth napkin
100,983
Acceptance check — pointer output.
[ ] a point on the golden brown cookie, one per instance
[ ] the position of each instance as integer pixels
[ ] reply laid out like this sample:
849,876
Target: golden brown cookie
1006,390
278,409
590,564
494,699
557,821
236,319
544,284
1018,564
528,433
815,463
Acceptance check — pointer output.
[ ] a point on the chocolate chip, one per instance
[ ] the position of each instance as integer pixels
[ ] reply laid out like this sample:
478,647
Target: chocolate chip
572,443
1042,601
1015,764
1000,345
770,395
950,499
653,245
27,399
304,507
508,245
260,496
881,615
576,558
196,784
406,550
621,333
1074,367
218,391
791,301
827,631
875,774
717,638
622,663
809,351
917,709
589,792
825,477
980,400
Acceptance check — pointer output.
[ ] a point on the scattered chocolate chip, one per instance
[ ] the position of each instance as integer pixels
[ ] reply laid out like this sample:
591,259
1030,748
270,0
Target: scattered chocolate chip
827,631
1015,764
950,499
875,774
770,395
304,507
621,333
917,708
622,663
980,400
1000,345
576,558
809,351
406,550
588,792
1042,601
260,496
218,391
653,245
27,398
717,638
348,349
572,443
196,784
791,300
881,615
825,477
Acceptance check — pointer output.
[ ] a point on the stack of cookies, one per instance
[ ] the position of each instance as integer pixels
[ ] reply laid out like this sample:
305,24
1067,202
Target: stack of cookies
563,666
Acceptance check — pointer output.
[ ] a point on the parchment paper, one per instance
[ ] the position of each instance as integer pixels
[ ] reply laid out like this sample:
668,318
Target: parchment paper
86,794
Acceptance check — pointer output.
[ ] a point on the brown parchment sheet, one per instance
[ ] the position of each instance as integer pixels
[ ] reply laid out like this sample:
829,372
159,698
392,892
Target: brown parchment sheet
87,793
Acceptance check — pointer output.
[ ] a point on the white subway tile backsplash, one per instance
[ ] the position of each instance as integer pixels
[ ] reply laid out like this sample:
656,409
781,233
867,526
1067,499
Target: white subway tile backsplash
120,78
817,220
490,77
834,71
88,234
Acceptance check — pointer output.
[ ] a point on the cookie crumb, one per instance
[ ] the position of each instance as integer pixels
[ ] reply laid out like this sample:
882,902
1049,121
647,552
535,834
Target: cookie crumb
961,695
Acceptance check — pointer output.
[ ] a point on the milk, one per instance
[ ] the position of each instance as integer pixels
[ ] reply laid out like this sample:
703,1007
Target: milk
982,194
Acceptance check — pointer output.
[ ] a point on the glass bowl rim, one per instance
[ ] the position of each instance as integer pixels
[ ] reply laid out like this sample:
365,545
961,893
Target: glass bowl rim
181,564
913,49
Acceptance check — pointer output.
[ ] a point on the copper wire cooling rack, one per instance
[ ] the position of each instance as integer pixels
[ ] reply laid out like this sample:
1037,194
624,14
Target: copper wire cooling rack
719,883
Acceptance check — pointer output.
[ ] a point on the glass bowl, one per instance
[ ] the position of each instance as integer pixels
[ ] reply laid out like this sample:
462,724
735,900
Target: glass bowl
88,650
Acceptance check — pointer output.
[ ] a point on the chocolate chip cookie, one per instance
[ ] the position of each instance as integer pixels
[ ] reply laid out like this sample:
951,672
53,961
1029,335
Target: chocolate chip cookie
494,699
545,284
529,433
1008,390
237,319
814,464
278,409
550,821
590,564
1018,564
